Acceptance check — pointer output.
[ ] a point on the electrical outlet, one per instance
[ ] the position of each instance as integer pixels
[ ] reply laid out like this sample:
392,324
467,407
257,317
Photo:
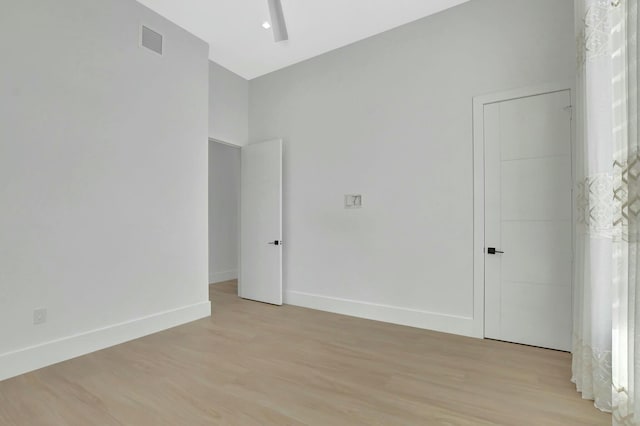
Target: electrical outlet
39,316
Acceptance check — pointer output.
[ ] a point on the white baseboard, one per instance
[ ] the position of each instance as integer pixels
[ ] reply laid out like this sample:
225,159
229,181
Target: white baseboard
220,277
35,357
396,315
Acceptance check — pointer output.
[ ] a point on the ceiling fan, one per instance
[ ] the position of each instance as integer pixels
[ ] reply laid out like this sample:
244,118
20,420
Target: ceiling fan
277,21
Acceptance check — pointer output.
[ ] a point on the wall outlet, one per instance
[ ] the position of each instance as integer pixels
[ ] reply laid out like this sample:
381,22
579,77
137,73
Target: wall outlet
39,316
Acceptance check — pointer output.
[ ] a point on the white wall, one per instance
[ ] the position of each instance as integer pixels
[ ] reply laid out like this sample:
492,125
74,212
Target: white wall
228,106
391,118
103,178
224,203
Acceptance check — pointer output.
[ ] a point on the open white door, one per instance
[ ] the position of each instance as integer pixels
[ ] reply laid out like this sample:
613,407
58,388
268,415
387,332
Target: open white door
261,223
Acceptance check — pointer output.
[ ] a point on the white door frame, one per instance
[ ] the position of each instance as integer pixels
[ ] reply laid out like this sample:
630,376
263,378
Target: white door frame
231,144
478,183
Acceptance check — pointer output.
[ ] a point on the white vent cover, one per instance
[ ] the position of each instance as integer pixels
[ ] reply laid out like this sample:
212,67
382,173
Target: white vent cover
151,40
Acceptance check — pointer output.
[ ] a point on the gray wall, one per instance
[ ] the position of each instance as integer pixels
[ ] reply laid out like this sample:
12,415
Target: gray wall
224,203
391,118
228,106
103,178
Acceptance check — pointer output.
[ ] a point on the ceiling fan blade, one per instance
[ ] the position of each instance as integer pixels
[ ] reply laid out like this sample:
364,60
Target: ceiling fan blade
277,21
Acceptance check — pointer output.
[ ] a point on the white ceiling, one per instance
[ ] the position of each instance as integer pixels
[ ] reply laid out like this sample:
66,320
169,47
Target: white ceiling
238,42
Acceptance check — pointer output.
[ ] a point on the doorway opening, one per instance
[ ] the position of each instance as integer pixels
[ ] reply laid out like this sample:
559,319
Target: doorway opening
224,211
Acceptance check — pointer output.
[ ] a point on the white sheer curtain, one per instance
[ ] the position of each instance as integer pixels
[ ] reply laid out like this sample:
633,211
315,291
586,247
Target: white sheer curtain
594,192
607,278
626,206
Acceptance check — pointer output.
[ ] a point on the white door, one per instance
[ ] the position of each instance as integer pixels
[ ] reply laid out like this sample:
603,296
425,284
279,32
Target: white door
261,223
528,216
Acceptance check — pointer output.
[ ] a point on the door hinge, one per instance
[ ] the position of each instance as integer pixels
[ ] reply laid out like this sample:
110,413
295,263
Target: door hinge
570,109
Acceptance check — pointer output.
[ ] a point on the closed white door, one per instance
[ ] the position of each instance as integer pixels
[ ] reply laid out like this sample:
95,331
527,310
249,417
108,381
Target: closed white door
261,223
528,220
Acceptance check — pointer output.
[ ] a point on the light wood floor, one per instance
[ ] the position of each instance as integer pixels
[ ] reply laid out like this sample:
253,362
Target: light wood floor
255,364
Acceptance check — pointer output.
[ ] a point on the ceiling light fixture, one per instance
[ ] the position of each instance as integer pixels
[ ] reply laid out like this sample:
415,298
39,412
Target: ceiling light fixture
277,21
266,25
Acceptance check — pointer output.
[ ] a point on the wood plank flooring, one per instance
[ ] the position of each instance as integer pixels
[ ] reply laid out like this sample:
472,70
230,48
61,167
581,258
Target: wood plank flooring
256,364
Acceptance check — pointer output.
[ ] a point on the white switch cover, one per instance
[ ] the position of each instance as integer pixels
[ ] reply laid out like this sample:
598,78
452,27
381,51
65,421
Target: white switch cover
353,201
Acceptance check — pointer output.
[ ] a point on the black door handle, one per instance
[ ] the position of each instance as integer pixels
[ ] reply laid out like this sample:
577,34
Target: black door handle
276,243
492,250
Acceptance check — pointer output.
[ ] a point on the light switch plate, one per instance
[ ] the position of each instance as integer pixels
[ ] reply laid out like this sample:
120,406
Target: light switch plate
353,201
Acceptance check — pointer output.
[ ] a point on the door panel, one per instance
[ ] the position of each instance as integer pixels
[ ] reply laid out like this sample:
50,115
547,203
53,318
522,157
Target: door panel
522,322
538,126
536,189
528,212
261,223
537,252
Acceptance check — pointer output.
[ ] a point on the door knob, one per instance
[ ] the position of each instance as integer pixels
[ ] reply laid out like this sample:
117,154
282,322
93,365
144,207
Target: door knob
276,243
492,250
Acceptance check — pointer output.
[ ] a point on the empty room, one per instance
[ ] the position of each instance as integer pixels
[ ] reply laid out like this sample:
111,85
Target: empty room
319,212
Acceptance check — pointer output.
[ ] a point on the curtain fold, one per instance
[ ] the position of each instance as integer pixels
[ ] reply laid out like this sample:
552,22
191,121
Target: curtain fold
607,235
593,249
626,166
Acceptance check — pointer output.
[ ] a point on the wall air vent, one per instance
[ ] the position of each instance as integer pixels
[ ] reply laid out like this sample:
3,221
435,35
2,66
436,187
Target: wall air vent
151,40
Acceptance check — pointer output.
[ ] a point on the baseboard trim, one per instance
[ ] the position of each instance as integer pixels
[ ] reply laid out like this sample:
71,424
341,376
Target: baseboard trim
393,314
35,357
220,277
